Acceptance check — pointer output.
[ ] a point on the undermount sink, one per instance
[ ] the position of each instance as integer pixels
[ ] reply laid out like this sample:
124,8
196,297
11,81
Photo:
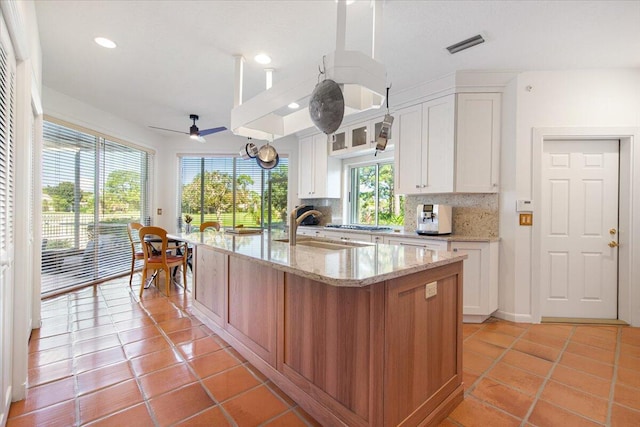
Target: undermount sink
324,244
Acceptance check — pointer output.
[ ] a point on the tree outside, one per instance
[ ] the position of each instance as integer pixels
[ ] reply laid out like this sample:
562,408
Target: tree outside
251,191
63,197
279,187
376,208
121,192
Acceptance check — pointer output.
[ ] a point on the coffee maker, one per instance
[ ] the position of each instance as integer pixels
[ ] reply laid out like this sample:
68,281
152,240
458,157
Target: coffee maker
433,219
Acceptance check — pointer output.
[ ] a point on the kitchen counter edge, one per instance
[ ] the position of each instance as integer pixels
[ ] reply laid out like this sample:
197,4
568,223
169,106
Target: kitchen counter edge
443,258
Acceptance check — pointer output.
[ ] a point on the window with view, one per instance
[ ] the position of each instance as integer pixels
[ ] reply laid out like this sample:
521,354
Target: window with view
233,192
372,199
92,188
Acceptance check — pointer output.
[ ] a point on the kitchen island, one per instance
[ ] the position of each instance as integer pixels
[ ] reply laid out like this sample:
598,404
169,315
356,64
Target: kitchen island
357,335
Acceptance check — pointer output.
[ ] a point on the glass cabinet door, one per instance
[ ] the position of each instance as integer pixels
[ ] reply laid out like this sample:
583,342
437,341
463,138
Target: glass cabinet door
338,141
359,136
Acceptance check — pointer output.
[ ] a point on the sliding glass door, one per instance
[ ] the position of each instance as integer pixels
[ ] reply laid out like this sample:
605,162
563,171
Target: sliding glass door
91,188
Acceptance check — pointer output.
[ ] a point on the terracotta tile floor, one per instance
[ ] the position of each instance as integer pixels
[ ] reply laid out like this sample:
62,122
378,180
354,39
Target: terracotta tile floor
549,375
105,358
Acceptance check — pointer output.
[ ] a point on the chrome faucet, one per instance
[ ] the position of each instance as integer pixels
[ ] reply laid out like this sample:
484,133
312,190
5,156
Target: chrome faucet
295,222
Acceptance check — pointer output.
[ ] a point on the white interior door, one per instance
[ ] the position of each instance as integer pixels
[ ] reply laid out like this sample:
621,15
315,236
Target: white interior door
579,222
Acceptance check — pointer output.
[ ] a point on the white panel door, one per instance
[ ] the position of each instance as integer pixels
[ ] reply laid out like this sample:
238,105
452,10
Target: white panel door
579,222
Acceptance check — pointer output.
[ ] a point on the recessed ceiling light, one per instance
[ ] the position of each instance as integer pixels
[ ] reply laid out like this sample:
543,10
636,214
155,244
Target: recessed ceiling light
262,58
104,42
293,105
349,2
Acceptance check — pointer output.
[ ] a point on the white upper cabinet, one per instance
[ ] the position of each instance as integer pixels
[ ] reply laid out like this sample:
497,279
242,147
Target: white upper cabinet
478,143
318,174
408,154
357,139
425,148
350,141
449,144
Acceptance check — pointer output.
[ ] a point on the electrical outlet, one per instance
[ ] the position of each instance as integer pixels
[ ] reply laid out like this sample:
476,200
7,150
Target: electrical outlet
430,290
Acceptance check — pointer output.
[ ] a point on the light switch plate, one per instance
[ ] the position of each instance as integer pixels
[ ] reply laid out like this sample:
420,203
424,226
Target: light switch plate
159,211
431,290
526,219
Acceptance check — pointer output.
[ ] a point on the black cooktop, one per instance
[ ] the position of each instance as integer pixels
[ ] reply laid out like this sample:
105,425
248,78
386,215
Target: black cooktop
358,227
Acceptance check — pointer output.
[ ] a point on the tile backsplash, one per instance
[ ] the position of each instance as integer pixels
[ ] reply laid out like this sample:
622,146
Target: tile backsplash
331,209
473,214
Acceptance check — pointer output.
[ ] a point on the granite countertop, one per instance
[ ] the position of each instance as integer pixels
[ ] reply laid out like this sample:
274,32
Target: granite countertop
407,234
355,266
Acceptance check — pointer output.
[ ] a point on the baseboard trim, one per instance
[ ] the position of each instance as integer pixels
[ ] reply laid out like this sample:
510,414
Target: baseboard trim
513,317
583,321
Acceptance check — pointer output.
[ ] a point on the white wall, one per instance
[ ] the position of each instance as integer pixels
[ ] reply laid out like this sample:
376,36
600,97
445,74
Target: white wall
586,99
69,109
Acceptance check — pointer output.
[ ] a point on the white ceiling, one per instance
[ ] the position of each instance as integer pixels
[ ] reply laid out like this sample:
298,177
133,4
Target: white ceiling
176,57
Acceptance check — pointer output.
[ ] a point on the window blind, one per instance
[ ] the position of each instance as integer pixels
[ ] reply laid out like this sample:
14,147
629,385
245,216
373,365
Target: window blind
7,141
233,192
92,188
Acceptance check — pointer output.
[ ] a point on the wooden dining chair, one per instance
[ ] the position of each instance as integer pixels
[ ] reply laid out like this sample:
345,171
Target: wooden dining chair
155,246
133,230
207,224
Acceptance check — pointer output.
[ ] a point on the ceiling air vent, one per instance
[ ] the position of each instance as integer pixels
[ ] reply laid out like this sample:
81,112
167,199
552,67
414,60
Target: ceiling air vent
465,44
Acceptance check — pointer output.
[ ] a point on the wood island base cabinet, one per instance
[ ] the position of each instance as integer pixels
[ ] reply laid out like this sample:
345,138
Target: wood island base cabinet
380,355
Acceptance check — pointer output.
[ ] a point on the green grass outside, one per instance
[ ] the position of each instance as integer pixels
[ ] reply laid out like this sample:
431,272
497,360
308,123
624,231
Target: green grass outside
226,219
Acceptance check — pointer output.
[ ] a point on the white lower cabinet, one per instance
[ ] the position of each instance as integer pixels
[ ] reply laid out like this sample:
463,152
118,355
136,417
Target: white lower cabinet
434,245
377,239
480,273
310,232
480,279
340,235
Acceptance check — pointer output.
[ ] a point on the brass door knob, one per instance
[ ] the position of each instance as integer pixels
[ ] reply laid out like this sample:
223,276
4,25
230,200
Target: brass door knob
612,231
613,244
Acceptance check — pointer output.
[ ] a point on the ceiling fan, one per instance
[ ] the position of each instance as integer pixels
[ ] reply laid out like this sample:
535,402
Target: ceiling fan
194,132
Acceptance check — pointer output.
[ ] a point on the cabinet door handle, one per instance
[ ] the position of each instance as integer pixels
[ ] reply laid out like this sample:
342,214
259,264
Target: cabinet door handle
424,185
413,246
417,185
